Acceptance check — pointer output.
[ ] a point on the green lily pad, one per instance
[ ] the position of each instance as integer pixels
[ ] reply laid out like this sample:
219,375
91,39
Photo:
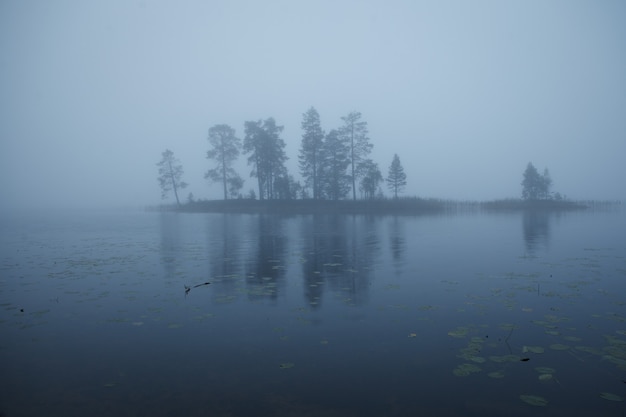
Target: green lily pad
534,400
610,396
496,374
545,370
545,377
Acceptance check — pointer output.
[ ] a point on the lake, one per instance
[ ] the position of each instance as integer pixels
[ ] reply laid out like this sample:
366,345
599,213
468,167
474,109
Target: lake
176,314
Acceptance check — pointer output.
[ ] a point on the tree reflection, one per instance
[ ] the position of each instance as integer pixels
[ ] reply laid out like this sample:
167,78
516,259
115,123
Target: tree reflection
339,252
536,225
170,242
224,239
265,269
397,240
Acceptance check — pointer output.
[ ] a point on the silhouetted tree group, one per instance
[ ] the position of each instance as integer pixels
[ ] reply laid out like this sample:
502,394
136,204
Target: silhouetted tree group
534,185
331,164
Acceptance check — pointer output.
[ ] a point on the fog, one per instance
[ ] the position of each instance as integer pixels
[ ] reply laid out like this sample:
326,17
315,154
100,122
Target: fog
467,93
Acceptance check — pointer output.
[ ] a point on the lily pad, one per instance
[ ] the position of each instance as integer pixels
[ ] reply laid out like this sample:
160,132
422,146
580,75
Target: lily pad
496,374
610,396
559,346
534,400
546,377
459,332
466,369
533,349
287,365
545,370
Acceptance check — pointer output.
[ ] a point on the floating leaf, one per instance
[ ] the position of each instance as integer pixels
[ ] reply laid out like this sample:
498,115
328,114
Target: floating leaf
545,377
412,334
545,370
459,332
534,400
466,369
287,365
533,349
610,396
496,374
589,349
559,346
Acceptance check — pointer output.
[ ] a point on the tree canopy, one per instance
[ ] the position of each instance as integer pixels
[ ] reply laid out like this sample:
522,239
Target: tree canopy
266,154
534,185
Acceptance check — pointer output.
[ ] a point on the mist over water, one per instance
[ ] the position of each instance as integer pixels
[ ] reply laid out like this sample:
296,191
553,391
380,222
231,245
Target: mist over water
466,93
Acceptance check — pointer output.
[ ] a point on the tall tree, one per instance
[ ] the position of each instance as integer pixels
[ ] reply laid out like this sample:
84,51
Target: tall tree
334,179
396,178
310,158
224,151
370,178
534,185
354,131
267,154
170,174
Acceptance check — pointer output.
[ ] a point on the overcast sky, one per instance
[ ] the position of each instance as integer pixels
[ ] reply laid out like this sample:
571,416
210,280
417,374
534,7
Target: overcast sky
466,92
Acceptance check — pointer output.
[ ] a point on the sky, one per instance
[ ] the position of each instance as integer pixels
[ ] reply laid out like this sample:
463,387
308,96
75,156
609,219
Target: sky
466,93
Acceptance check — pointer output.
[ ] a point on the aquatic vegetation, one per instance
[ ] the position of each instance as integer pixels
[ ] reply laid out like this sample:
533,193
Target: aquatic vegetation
534,400
459,332
533,349
610,396
466,369
286,365
559,346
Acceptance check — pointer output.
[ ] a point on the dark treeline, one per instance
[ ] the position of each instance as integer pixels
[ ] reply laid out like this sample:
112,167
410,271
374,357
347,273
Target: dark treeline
333,165
334,168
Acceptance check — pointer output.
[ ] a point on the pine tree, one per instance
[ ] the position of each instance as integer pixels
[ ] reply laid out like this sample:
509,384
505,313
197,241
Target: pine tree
396,178
224,150
310,157
170,174
354,132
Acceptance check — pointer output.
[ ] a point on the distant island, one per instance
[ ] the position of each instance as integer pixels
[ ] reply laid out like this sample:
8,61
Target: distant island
405,206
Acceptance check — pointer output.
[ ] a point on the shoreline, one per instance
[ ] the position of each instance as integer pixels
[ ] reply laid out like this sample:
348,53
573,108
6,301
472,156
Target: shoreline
402,206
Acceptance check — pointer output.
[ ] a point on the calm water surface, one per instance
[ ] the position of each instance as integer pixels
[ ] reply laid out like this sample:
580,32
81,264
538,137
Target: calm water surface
518,314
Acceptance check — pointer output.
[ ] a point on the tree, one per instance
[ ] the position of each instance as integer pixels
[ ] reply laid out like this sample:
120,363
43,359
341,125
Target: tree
224,150
170,174
354,132
534,185
334,180
396,178
267,154
310,158
370,178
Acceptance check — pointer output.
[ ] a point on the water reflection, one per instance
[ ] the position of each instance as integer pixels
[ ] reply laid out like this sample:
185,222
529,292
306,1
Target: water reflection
170,242
265,265
397,239
223,235
536,226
